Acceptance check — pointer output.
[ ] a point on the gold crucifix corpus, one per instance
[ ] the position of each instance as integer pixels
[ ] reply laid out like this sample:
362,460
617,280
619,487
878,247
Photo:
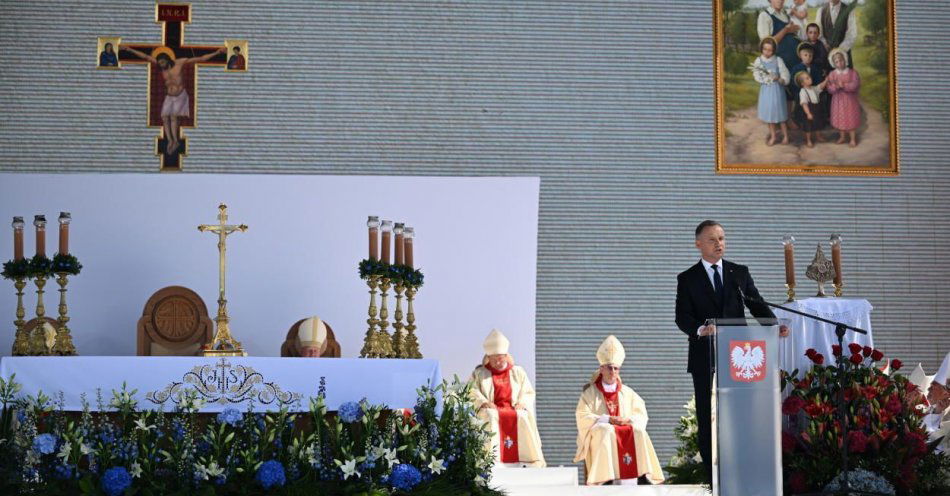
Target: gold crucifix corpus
223,343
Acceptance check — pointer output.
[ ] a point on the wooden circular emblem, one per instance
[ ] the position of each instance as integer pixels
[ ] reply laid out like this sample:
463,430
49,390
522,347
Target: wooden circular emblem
176,318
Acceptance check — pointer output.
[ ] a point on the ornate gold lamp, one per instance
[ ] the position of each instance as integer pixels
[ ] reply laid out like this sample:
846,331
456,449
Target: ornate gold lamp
223,343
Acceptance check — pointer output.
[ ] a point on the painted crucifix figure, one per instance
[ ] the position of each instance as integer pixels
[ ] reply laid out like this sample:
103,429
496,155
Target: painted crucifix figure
173,79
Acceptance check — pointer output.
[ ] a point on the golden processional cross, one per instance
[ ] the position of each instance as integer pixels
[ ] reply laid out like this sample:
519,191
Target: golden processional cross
223,343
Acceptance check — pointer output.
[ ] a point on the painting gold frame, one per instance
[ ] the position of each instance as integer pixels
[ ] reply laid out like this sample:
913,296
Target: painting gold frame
891,169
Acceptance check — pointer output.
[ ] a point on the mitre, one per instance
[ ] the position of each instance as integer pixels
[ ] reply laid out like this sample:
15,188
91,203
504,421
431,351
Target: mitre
496,343
611,352
312,332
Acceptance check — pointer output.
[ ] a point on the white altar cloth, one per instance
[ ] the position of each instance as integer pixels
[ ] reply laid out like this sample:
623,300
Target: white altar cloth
807,333
267,382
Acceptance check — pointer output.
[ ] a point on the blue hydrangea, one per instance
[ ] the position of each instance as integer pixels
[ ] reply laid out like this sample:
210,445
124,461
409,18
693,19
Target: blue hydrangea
62,471
350,412
230,416
404,477
862,480
270,474
115,481
45,444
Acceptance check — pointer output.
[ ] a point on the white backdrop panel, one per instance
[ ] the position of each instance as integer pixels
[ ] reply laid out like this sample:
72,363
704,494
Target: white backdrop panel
476,242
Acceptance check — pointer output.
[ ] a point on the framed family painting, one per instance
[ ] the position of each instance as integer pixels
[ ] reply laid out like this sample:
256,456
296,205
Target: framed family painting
806,87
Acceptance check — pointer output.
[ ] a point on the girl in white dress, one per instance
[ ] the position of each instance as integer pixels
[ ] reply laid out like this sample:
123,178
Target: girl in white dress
772,75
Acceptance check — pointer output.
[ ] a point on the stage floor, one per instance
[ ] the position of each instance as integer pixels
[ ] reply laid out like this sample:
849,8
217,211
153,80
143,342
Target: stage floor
562,481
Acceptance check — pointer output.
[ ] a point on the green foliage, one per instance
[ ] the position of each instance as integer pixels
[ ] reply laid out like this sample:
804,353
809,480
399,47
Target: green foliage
66,263
40,266
187,453
397,274
16,269
736,63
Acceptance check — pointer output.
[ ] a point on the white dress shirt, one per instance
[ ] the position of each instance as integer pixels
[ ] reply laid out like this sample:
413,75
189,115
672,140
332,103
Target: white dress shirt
709,273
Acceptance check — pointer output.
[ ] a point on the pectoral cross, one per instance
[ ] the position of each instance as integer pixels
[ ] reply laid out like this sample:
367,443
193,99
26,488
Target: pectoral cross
172,78
223,343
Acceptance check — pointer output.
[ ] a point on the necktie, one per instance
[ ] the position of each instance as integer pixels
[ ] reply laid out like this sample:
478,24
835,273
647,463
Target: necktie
717,280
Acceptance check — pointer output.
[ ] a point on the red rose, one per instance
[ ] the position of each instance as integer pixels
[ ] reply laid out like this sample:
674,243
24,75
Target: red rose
857,359
896,365
855,348
869,392
813,409
876,355
798,482
882,381
788,442
910,387
810,352
804,383
884,417
835,350
893,405
857,442
819,359
792,405
866,351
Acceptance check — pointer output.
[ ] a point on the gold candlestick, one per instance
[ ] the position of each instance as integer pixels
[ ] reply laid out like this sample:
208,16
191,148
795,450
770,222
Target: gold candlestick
384,340
790,289
398,337
223,343
411,343
40,308
838,291
21,342
370,346
64,341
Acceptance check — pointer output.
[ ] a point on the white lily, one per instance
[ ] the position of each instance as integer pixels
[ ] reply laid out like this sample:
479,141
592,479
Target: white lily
141,426
436,465
85,449
65,451
392,457
136,471
348,468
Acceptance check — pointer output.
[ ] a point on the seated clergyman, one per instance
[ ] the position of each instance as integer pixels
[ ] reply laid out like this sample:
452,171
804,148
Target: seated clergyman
504,399
612,437
311,340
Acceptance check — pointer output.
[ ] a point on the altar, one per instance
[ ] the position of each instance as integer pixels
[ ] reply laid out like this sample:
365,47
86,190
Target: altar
267,383
809,333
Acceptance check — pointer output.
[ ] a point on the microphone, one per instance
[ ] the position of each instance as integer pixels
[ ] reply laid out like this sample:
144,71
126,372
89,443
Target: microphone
738,286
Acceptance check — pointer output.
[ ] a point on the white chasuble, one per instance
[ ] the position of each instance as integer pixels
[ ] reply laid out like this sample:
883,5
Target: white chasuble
527,439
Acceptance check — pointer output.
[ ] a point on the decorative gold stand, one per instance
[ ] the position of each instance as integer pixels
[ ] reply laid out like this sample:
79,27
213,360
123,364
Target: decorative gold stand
838,291
222,344
411,343
64,341
384,341
399,350
790,289
21,342
371,341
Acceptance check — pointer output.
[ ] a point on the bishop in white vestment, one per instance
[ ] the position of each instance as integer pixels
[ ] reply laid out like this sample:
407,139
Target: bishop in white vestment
612,437
504,399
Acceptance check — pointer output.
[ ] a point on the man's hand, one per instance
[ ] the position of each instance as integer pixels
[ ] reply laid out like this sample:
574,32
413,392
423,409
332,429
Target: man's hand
619,420
707,330
783,331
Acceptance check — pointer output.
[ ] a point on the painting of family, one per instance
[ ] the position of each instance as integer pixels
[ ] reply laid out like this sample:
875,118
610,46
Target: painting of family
806,86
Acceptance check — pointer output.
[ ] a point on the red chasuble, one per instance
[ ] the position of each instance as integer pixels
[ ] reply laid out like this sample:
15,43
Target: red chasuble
507,416
626,450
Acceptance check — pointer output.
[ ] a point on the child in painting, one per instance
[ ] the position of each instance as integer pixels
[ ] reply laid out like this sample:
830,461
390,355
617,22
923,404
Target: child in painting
798,14
809,113
843,84
772,75
813,34
809,66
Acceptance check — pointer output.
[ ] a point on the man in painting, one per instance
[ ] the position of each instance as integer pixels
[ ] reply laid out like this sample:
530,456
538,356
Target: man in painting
839,28
236,62
107,57
177,103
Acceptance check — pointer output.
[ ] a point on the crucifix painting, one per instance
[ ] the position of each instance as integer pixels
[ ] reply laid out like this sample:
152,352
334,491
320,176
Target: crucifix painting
172,76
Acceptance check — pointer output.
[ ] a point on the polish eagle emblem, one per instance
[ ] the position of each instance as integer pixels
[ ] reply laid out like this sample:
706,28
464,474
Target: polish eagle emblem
747,360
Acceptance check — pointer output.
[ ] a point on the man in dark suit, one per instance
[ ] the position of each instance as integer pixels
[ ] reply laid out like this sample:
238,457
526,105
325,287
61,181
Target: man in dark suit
710,290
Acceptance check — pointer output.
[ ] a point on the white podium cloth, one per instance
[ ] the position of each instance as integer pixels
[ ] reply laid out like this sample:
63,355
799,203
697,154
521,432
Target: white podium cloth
808,333
267,382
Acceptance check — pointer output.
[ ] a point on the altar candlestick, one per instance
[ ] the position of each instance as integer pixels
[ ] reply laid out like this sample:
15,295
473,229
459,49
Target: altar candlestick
18,238
836,257
64,219
789,241
408,234
373,224
40,222
399,242
387,228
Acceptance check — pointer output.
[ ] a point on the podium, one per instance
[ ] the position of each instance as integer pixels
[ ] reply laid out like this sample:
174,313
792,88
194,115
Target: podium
746,409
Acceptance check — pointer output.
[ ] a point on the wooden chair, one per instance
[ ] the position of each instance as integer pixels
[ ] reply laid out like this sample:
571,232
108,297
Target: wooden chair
290,346
174,322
